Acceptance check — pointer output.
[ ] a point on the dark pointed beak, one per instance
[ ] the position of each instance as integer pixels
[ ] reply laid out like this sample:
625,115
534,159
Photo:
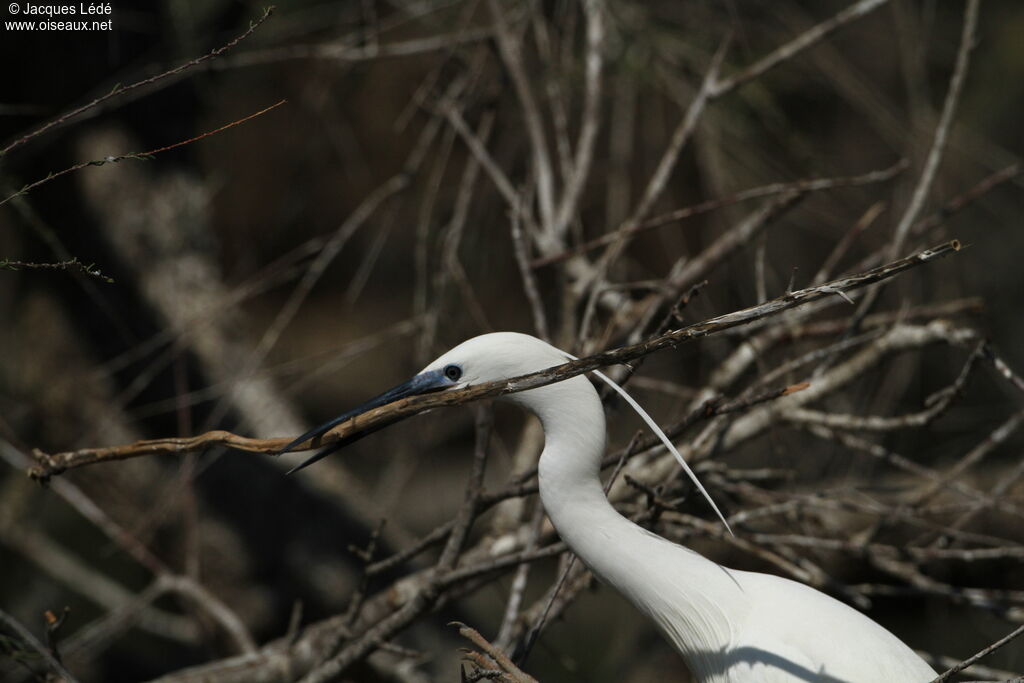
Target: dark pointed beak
423,383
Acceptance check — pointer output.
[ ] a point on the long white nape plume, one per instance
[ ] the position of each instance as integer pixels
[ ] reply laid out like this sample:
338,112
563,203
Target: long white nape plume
664,439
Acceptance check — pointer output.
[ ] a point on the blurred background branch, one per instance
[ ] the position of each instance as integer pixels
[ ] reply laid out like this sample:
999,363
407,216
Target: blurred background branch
604,175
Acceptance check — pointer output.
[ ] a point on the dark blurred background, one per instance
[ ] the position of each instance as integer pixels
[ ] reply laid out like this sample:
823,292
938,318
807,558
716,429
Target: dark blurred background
208,243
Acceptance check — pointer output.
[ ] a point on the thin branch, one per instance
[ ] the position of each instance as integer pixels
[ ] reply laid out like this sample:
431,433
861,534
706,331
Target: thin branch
935,153
211,605
336,664
963,199
479,151
50,465
690,272
968,39
985,652
511,672
805,185
509,47
119,90
680,136
843,245
794,47
72,265
935,406
137,156
591,117
341,52
44,651
1002,367
521,250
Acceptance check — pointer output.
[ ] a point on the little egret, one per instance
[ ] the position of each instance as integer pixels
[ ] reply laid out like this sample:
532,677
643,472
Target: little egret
729,625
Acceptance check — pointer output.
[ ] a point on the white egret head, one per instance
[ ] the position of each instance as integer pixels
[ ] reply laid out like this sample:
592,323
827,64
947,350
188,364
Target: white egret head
486,358
492,357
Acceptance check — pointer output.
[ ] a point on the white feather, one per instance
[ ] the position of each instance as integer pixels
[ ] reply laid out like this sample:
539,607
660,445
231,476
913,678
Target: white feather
661,435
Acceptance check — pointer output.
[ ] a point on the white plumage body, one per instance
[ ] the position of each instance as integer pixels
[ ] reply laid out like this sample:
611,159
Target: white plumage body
729,625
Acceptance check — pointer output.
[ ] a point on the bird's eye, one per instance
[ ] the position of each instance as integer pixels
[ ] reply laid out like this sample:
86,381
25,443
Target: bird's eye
452,372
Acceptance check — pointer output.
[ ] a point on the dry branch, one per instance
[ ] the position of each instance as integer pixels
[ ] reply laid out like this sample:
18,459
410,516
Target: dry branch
50,465
72,265
530,99
798,186
510,672
120,90
137,156
802,42
48,656
1016,633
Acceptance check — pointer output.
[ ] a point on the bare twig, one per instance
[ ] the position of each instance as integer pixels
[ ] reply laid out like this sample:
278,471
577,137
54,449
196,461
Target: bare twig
335,664
50,465
590,118
844,244
1003,368
937,404
956,82
509,47
510,671
802,42
806,185
935,153
343,52
680,136
963,199
26,635
119,90
522,253
137,156
53,624
945,676
72,265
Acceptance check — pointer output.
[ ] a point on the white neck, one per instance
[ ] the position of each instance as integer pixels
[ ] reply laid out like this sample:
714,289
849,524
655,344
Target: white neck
694,601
